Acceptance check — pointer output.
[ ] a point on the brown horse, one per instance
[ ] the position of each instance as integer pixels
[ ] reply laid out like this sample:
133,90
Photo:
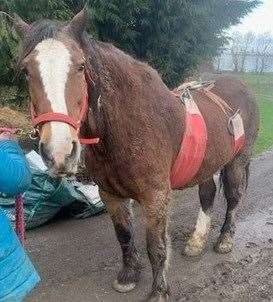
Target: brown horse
140,124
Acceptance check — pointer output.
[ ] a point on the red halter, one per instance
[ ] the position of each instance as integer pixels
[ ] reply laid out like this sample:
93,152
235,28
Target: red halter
38,120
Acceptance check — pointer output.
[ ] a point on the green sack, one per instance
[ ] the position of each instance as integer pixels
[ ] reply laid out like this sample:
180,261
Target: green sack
47,196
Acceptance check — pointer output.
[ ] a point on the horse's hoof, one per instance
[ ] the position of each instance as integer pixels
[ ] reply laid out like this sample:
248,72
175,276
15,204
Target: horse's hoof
194,247
224,244
123,288
158,298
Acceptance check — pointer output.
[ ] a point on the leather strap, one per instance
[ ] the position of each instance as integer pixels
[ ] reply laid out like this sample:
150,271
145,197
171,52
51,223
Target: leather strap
54,117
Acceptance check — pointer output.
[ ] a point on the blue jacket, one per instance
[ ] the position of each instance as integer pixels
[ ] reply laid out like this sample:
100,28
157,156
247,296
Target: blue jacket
15,174
17,274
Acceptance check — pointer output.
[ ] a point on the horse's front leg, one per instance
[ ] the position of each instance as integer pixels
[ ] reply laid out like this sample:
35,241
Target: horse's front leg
157,244
121,215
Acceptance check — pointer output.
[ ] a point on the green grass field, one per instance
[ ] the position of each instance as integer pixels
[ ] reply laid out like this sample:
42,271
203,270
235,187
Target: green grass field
262,86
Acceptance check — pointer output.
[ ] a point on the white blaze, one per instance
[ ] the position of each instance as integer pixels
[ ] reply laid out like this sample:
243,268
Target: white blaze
54,62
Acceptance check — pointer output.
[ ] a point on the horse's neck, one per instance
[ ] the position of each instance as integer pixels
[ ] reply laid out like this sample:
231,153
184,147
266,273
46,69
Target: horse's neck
128,101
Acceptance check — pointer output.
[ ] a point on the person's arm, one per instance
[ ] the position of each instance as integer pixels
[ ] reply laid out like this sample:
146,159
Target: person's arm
15,174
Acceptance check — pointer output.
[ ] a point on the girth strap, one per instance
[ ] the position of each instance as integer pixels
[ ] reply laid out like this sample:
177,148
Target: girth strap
193,145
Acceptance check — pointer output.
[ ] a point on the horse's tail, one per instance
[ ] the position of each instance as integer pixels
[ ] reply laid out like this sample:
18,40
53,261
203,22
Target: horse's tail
222,175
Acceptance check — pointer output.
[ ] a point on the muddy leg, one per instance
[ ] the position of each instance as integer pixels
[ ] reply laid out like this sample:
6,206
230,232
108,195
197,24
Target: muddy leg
157,246
235,179
198,239
121,215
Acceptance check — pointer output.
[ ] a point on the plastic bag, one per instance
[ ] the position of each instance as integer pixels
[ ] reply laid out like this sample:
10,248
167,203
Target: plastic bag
47,196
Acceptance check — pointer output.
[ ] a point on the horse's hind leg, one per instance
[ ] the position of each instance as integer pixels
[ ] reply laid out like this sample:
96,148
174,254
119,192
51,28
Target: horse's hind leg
235,180
121,215
198,239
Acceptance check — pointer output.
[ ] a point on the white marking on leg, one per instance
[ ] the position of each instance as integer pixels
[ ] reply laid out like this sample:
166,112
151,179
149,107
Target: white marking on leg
99,103
196,243
54,62
202,224
168,252
168,245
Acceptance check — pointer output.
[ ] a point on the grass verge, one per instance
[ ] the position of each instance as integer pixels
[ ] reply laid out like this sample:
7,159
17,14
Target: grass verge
262,86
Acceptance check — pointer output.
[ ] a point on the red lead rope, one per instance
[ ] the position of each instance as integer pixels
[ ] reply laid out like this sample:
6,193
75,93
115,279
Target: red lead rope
19,218
38,120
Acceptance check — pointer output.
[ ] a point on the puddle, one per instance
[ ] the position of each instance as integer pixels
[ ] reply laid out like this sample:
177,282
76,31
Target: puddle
255,230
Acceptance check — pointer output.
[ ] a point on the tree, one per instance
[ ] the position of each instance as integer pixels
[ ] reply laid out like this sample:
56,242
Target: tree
241,47
174,36
264,51
235,49
31,11
246,43
256,49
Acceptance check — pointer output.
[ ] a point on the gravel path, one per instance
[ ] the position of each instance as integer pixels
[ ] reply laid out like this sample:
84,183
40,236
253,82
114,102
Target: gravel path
78,259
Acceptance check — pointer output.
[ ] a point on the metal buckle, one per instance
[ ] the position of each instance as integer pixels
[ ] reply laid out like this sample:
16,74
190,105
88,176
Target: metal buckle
34,134
185,96
230,122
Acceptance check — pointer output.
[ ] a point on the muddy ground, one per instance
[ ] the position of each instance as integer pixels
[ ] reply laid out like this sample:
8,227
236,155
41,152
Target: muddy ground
78,259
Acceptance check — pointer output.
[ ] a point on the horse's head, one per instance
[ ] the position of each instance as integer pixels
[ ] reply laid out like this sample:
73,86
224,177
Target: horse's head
54,64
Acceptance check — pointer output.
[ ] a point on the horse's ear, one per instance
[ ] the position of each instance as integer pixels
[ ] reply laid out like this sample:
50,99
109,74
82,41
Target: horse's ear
79,23
20,25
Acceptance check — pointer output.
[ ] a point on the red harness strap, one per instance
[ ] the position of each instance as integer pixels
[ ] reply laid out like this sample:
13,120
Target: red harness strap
238,144
38,120
193,146
54,117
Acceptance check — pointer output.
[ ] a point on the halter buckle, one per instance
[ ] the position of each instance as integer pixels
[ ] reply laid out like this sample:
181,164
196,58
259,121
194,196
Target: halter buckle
34,134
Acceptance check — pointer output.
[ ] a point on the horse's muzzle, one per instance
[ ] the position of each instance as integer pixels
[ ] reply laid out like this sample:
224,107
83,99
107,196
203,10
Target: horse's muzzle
60,163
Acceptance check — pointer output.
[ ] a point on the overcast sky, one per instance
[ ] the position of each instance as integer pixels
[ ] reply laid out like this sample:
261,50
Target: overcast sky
259,21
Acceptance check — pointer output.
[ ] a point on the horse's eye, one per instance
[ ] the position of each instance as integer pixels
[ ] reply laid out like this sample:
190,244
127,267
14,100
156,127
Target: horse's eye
81,68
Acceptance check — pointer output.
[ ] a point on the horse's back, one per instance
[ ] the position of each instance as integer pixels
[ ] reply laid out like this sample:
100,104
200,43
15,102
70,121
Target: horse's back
235,95
238,95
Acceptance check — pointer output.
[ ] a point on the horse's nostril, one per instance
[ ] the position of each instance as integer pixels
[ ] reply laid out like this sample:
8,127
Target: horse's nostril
45,153
74,150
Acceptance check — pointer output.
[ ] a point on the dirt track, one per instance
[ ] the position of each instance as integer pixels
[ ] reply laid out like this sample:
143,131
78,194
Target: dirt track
79,259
